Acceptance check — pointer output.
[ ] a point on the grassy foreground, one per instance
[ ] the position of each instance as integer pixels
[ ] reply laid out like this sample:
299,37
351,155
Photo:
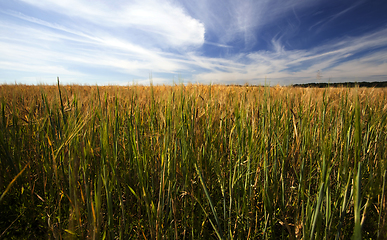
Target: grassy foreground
192,162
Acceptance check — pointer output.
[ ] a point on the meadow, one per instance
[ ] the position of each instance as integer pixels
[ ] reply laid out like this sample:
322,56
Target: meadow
192,162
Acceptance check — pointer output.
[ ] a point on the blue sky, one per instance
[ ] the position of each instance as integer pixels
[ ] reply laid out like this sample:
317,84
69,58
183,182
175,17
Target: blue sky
202,41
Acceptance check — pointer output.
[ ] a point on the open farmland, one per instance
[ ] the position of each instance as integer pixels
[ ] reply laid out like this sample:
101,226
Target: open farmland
192,162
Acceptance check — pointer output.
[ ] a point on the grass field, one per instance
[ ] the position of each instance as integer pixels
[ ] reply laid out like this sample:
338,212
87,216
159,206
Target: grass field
192,162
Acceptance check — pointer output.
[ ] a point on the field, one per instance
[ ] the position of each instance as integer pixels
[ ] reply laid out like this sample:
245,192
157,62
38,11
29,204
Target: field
192,162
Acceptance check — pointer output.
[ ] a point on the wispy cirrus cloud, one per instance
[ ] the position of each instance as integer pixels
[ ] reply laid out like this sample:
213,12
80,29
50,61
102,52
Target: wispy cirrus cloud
229,21
322,23
334,60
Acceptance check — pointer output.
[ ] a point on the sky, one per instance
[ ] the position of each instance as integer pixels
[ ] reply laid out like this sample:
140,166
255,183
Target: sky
256,42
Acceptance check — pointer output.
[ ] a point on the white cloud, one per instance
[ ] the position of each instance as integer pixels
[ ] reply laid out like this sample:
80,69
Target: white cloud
158,19
43,46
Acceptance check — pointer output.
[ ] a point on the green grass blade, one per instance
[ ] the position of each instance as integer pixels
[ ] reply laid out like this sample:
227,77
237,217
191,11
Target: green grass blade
218,230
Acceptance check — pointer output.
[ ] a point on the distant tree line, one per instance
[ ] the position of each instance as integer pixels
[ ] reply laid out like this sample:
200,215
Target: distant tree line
345,84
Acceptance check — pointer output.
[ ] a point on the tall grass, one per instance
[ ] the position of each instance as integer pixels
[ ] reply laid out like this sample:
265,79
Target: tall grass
192,162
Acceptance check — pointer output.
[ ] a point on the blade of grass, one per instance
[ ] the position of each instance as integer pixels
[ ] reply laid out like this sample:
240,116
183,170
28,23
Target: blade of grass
218,230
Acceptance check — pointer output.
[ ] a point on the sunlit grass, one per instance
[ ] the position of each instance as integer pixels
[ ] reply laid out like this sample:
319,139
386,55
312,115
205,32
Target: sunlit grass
192,162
